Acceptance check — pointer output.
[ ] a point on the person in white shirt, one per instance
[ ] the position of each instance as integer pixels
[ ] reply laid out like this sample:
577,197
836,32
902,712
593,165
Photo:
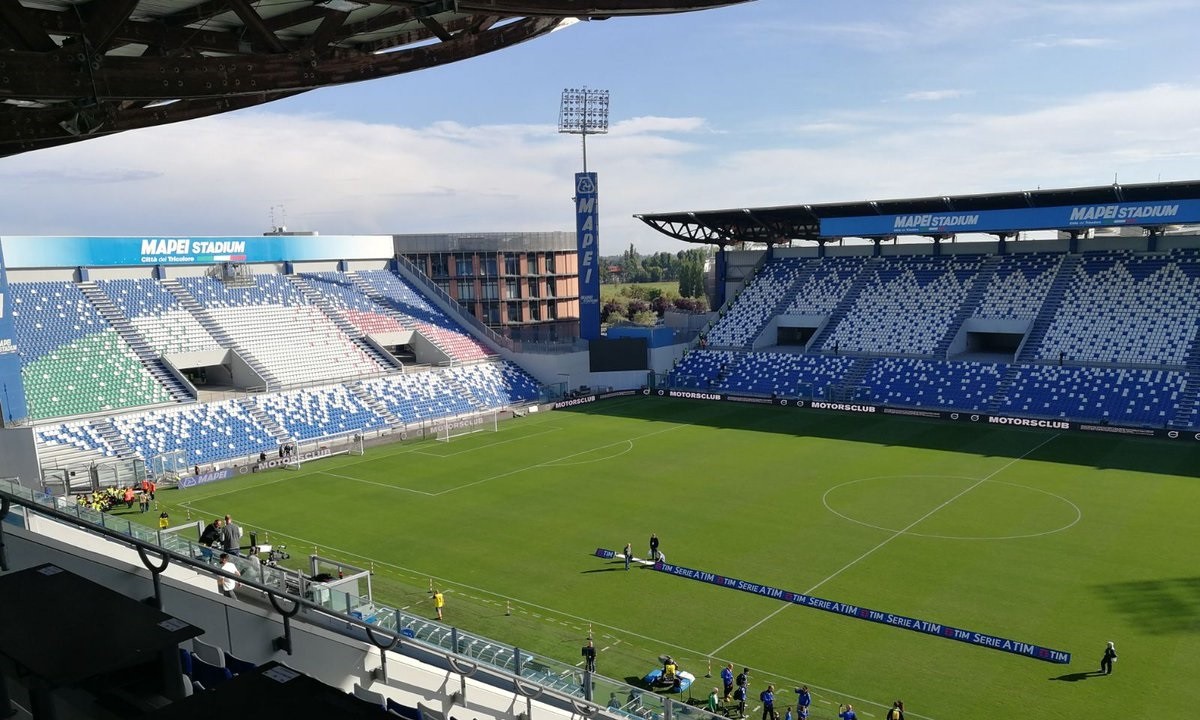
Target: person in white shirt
224,584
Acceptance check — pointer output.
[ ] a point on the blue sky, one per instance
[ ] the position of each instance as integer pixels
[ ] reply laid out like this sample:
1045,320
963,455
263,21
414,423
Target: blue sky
767,103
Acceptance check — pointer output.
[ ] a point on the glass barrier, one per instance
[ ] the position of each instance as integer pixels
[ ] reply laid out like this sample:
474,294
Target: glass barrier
621,699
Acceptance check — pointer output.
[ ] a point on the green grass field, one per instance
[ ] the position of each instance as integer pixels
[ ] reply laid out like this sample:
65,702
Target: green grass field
1065,541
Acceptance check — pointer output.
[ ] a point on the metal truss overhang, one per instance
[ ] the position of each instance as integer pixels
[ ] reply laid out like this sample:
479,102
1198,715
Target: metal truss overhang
76,70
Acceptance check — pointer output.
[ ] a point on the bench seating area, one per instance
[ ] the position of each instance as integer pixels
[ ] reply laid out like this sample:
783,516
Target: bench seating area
72,361
276,324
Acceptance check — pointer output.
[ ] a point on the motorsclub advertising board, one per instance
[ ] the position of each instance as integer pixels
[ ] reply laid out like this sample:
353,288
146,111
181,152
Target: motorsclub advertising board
955,416
190,481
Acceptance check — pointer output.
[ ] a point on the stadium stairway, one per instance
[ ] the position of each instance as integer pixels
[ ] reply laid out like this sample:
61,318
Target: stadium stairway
429,330
979,287
1050,306
369,399
276,431
105,429
145,354
846,304
1000,397
1189,399
853,379
206,321
802,278
322,303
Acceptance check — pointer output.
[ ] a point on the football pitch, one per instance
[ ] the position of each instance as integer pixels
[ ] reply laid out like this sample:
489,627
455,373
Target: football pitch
1061,540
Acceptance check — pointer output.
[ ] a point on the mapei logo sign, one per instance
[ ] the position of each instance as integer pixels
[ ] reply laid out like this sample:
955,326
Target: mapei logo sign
587,238
167,250
935,222
1119,214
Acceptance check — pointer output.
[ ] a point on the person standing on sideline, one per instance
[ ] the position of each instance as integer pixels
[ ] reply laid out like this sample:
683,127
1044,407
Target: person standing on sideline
653,547
846,712
743,679
713,706
787,715
768,702
589,656
628,554
233,537
439,602
740,696
1110,655
803,700
727,680
224,584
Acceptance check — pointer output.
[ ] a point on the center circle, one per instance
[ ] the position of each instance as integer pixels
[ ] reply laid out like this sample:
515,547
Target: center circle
889,489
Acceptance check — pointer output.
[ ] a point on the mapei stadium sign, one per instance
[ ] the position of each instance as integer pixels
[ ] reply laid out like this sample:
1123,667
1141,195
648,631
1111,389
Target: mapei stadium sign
1051,218
23,251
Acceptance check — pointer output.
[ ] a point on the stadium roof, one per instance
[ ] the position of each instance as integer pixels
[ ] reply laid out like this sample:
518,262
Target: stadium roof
75,69
802,222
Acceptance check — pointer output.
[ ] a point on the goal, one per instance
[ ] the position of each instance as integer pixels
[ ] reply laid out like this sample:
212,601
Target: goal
460,425
349,443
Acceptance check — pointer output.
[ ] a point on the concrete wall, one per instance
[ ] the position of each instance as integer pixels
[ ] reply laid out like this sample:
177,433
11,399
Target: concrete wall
20,459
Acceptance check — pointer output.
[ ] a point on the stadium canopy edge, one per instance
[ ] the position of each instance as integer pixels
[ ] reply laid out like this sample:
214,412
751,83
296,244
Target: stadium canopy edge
1005,213
79,69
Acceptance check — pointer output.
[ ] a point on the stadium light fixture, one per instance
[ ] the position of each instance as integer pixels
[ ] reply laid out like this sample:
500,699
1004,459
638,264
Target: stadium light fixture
584,111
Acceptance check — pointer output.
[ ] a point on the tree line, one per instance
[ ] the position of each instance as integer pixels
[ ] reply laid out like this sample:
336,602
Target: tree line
685,267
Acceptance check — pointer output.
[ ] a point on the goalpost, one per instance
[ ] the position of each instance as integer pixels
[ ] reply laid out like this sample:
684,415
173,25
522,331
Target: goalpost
452,427
349,443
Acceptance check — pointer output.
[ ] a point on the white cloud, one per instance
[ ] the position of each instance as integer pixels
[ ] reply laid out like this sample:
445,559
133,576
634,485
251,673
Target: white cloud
223,174
934,95
1056,41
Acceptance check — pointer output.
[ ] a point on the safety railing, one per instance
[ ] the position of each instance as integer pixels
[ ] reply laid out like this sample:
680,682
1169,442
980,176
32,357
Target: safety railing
530,675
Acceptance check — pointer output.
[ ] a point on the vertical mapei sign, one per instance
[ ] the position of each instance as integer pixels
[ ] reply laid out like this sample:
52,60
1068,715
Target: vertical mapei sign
12,393
587,236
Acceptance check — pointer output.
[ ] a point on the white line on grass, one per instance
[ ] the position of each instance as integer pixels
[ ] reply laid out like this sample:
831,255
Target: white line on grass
887,540
551,463
373,482
484,447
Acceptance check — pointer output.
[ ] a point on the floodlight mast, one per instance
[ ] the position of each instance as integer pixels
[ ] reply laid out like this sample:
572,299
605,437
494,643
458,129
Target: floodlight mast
583,112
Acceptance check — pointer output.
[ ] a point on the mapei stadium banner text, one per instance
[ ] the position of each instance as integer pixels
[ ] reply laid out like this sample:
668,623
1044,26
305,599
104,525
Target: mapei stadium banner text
1064,217
46,252
924,627
12,392
587,237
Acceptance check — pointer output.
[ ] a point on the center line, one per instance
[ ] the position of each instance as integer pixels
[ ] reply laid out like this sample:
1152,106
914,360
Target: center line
895,535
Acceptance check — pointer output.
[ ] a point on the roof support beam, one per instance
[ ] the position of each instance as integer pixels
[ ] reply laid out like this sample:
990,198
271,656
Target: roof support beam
21,30
198,14
255,25
101,21
326,31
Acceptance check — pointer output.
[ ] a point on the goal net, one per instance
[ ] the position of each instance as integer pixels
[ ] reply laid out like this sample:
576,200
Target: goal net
296,454
460,425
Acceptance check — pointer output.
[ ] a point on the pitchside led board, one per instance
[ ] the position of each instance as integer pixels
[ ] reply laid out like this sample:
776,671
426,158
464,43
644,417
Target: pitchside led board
12,392
587,237
1066,217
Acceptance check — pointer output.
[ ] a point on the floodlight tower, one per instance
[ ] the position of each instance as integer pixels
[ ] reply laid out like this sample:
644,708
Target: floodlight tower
584,111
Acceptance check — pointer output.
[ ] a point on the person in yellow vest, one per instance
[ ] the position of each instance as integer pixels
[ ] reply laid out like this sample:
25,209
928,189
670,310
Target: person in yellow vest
164,520
439,602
